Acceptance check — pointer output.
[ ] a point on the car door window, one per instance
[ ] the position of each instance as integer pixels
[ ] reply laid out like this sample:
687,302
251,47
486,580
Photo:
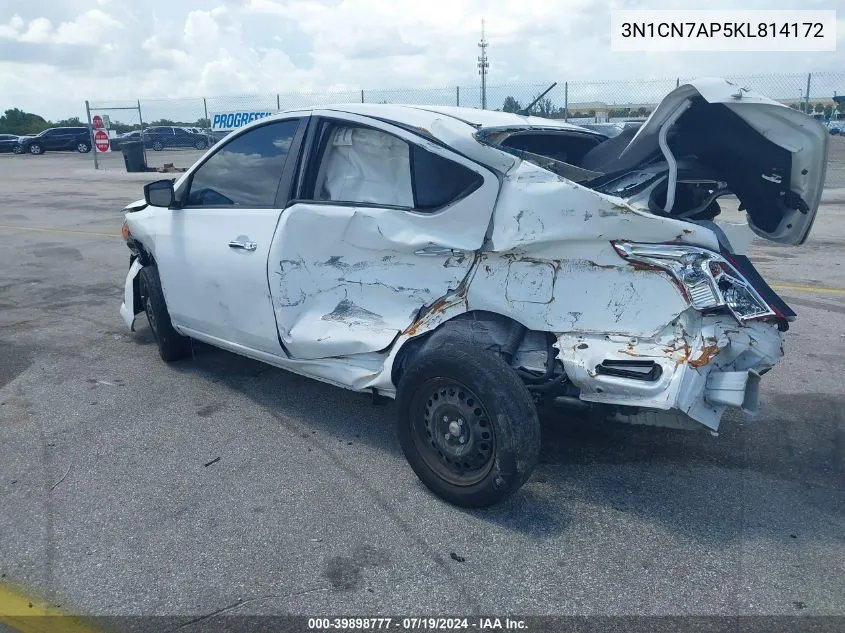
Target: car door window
246,171
362,165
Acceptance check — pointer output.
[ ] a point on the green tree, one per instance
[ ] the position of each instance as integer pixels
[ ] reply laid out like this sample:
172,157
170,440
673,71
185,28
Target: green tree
544,107
122,128
71,122
511,105
16,121
818,107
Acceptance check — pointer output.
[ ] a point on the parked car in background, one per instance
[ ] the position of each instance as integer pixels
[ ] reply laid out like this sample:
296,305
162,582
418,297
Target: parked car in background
164,137
57,139
218,135
118,141
9,142
475,265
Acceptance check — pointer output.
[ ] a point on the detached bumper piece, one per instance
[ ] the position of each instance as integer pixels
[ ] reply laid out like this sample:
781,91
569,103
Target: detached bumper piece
128,309
739,389
693,369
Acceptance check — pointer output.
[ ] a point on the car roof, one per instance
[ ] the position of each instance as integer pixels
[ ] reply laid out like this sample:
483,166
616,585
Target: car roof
412,115
452,126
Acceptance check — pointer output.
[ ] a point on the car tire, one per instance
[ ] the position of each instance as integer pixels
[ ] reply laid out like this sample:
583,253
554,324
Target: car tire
83,147
467,425
36,149
171,345
158,146
18,150
201,145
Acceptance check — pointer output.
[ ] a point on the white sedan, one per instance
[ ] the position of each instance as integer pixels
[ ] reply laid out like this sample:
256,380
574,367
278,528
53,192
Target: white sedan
475,265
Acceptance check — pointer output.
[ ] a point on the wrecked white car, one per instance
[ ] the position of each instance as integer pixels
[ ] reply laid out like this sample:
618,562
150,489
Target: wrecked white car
474,265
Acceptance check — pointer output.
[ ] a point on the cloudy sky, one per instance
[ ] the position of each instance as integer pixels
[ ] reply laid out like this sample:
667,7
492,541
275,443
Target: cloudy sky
54,54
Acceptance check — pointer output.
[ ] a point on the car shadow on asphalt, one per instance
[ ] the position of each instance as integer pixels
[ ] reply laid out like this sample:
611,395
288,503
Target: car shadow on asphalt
690,481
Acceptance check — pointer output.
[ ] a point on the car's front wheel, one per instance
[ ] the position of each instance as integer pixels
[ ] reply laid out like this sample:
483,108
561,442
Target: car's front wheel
171,345
36,149
83,147
467,424
201,145
158,146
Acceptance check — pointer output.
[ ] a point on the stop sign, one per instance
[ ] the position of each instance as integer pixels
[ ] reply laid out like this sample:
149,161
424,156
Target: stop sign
98,122
101,141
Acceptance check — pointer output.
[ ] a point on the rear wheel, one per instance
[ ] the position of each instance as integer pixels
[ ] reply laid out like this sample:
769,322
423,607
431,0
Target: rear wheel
158,146
171,345
467,425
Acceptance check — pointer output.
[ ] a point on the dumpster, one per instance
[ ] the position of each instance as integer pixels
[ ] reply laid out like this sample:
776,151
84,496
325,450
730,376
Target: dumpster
133,155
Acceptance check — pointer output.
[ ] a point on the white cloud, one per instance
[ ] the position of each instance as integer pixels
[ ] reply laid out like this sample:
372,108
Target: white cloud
73,50
89,27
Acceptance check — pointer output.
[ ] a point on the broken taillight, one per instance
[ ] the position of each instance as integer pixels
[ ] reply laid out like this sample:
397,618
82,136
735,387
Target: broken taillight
708,279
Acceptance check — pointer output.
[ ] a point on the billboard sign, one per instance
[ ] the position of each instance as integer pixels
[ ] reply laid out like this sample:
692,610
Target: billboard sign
228,121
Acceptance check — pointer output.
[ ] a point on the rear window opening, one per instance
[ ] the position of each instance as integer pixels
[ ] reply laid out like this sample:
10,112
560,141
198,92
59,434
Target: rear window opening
562,147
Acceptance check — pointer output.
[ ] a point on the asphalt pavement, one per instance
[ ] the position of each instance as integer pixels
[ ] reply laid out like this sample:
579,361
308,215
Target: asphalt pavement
219,484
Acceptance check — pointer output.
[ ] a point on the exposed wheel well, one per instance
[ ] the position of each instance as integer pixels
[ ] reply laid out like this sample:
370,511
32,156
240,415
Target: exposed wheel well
530,353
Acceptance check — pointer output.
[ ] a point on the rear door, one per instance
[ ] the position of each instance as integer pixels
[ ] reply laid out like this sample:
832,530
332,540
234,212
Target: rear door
67,138
182,138
212,252
385,224
52,139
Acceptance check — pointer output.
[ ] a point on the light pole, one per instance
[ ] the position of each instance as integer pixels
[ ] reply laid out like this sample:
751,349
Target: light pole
483,65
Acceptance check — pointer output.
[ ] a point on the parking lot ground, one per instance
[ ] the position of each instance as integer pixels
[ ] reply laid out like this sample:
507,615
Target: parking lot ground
218,484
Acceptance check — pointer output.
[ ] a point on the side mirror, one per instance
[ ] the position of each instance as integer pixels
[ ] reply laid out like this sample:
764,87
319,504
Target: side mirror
160,194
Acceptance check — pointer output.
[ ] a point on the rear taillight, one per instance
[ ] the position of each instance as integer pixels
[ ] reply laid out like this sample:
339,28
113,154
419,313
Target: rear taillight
708,279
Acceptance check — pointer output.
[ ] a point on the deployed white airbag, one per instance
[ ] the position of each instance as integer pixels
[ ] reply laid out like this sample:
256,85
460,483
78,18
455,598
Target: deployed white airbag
365,165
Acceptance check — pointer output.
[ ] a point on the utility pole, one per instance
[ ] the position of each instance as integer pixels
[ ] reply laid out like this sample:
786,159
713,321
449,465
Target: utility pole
483,65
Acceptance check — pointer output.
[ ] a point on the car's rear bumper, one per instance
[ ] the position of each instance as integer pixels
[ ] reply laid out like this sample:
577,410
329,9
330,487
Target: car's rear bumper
697,366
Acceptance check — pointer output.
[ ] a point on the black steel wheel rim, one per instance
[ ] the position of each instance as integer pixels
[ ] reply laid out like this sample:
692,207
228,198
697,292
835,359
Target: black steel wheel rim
453,432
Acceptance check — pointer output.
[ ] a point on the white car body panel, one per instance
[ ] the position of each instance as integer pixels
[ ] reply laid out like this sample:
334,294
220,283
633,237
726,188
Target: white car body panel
334,292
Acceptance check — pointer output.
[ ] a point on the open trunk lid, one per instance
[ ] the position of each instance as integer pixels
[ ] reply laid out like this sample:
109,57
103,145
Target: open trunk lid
772,157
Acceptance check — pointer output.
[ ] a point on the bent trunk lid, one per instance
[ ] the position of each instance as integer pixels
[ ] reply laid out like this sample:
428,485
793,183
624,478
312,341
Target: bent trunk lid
774,158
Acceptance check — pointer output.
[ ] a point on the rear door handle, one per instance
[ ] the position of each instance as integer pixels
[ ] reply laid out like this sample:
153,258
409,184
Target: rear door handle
243,244
437,251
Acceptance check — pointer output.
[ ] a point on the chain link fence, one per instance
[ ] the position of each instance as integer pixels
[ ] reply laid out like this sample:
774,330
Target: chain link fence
574,101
